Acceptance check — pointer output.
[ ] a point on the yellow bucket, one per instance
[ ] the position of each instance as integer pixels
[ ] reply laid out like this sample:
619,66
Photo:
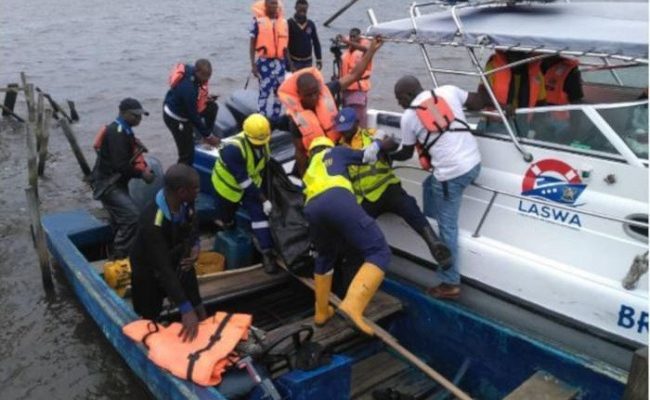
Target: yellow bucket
209,262
117,275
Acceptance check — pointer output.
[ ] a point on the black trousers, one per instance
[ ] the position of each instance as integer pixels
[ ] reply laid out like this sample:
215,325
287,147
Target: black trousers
124,216
148,294
183,132
396,201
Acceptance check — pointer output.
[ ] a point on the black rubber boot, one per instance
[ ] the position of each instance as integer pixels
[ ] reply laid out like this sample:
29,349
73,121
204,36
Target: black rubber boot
439,250
268,261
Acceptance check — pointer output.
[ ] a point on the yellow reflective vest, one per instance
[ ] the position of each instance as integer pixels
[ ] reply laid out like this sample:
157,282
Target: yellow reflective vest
369,182
318,181
223,181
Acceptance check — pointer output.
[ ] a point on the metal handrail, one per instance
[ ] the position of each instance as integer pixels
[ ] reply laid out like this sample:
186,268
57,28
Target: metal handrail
496,192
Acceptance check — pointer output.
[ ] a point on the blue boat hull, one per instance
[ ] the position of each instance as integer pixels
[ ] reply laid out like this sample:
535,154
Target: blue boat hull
446,335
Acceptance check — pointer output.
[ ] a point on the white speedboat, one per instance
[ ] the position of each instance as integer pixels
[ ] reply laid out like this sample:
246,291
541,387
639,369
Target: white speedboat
555,222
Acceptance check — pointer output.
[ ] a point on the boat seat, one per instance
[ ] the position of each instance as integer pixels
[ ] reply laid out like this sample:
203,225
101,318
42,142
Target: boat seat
337,330
543,386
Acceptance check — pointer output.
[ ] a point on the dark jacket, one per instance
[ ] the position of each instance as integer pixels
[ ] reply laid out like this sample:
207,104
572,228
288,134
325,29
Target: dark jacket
163,240
115,158
301,40
181,100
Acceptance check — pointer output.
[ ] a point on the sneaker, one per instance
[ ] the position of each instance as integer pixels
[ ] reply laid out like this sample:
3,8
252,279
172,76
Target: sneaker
444,291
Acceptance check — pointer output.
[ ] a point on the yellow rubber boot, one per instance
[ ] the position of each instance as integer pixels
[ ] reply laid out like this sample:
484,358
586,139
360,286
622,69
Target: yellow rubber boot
322,288
361,290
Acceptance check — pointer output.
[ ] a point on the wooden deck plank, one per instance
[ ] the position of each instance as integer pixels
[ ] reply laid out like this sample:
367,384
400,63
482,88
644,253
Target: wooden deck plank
543,386
370,372
381,306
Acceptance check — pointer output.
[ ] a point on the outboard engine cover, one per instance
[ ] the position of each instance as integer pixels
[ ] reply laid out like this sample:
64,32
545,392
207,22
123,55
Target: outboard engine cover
141,192
241,104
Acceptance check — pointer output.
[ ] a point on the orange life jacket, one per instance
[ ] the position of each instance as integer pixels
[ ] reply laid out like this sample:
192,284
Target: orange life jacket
176,76
201,361
500,81
138,162
311,124
436,116
554,79
272,34
351,58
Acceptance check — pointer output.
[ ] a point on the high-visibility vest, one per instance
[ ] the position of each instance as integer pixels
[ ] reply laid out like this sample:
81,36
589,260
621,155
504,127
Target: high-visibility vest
224,183
317,181
311,124
554,79
369,181
176,76
352,57
272,34
202,360
500,81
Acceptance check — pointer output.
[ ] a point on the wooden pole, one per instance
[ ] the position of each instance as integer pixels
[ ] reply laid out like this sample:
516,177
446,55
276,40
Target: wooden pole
38,237
81,159
45,132
637,380
389,340
40,110
10,99
32,166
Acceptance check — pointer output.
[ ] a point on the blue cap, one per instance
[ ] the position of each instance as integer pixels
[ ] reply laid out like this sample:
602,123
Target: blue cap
345,119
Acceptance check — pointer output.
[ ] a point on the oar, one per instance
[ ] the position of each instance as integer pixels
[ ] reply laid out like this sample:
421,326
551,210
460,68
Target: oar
339,12
389,340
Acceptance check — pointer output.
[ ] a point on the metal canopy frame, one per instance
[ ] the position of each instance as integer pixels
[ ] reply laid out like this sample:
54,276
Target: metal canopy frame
540,52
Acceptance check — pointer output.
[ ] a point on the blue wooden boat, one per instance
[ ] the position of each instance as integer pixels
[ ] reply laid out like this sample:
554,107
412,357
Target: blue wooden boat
485,359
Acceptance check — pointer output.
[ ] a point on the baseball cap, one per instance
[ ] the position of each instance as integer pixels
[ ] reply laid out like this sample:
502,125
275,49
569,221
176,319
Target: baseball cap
132,105
345,119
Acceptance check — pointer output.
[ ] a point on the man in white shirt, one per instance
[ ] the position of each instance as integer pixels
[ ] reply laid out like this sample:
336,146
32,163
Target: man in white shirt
454,156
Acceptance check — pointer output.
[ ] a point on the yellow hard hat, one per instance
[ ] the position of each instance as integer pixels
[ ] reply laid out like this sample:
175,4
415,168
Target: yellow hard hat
257,129
321,141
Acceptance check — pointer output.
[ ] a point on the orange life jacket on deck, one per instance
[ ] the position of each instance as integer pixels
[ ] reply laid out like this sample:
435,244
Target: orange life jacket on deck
138,163
351,58
500,81
554,79
272,34
311,124
176,76
436,116
201,361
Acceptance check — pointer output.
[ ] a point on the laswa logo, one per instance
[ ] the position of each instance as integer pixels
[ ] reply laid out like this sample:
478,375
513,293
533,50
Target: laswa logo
555,181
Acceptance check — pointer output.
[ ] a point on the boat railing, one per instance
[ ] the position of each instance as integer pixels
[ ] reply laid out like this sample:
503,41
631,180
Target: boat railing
537,53
496,192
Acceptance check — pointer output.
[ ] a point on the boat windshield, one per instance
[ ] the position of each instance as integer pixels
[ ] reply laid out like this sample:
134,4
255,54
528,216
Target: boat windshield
579,128
630,122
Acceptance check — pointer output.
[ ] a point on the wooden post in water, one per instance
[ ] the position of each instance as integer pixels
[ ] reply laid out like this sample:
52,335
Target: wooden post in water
10,99
32,166
40,110
38,237
81,159
637,380
45,138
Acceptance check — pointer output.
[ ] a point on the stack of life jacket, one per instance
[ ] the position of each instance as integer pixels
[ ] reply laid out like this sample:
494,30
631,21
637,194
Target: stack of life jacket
139,162
436,116
272,35
311,124
352,57
554,79
176,76
202,361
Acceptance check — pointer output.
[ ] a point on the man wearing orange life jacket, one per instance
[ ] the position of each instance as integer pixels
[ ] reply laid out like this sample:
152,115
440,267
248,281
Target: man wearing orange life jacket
311,106
436,121
268,51
188,104
356,95
115,166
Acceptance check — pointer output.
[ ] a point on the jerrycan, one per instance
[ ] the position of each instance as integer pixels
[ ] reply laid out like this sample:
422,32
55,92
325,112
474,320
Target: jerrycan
236,246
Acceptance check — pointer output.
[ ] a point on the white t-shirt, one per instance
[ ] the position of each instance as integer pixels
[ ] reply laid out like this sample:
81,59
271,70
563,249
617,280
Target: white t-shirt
456,152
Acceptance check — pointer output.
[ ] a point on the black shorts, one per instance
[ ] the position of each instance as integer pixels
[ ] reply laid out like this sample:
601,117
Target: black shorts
148,294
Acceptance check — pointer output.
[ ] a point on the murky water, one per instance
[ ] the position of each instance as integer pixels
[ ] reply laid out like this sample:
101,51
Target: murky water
95,53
